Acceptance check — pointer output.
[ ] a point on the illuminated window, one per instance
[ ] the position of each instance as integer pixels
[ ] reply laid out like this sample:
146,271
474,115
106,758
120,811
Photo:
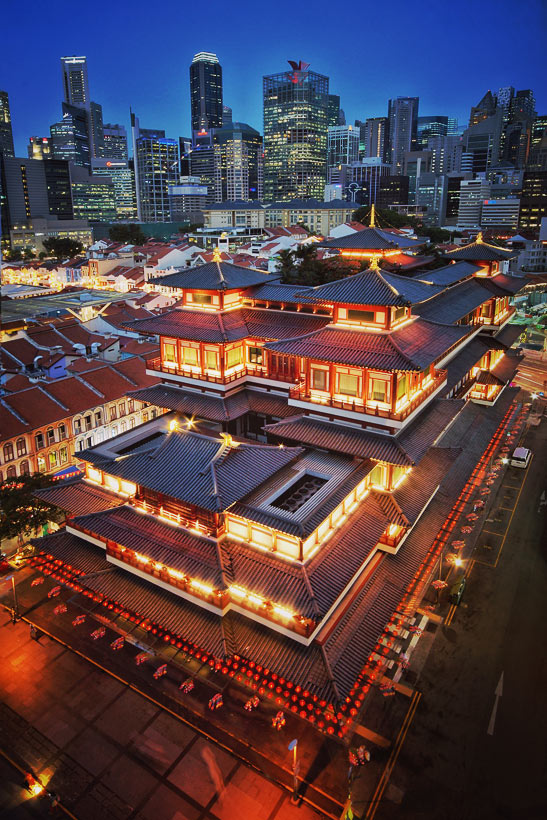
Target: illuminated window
377,476
169,352
255,355
379,391
8,452
190,356
361,315
211,360
202,298
61,431
41,464
348,384
399,314
21,447
234,357
24,468
63,455
52,459
401,387
319,379
50,435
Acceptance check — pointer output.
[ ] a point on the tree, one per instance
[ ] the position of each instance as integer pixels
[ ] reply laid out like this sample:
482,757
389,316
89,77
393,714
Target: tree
20,512
302,267
62,247
385,217
129,234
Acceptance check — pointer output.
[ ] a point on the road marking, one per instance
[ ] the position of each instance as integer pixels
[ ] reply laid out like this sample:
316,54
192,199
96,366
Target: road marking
511,516
498,693
507,509
386,774
489,532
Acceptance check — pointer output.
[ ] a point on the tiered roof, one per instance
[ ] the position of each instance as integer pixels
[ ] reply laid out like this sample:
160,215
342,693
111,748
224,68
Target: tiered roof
412,347
372,287
213,276
374,239
481,251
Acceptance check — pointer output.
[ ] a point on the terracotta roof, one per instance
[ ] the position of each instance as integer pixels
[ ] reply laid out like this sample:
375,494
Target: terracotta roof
372,239
134,369
75,394
413,347
17,382
79,497
21,350
30,409
371,287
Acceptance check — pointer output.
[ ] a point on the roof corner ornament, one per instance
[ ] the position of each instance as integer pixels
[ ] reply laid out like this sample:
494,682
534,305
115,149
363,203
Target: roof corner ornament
374,261
217,255
479,239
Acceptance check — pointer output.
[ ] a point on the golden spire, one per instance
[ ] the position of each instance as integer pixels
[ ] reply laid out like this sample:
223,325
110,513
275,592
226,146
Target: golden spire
479,238
374,260
372,216
217,254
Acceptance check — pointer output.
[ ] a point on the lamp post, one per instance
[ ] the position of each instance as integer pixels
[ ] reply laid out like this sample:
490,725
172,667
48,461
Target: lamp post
293,746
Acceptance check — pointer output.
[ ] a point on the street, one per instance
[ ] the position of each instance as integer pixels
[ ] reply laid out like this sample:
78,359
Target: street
471,754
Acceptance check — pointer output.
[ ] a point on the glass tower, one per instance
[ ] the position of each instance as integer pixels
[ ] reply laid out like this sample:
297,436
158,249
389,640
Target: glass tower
206,91
75,84
156,161
403,125
6,133
295,134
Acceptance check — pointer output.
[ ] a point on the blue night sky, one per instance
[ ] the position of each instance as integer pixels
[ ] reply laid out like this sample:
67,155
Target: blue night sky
138,54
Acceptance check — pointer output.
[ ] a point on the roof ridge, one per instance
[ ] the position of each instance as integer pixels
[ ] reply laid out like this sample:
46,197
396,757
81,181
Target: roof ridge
90,386
52,397
14,413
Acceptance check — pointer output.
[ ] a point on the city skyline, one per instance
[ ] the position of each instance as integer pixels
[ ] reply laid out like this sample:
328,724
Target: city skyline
165,103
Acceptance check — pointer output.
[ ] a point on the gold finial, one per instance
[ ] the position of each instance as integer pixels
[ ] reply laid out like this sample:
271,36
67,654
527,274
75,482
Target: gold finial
479,238
217,255
372,216
374,262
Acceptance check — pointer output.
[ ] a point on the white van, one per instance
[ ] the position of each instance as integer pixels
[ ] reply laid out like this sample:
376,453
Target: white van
521,457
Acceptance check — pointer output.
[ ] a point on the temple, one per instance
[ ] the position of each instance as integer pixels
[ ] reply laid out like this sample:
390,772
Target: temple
296,449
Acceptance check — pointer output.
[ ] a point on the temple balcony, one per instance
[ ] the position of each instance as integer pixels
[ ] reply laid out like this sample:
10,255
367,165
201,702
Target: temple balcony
367,408
229,376
498,321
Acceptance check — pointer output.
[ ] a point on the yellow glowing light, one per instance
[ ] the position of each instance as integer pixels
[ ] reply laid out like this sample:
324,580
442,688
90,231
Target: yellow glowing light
238,592
282,612
458,562
142,558
173,425
207,590
36,789
255,599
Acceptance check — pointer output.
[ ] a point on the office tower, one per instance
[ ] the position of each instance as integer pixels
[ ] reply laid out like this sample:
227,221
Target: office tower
523,104
500,214
403,123
504,97
360,181
415,164
156,161
452,200
537,157
226,115
93,197
427,127
96,129
392,191
187,199
206,91
39,148
114,141
123,180
374,137
335,115
484,109
453,127
473,192
185,149
206,164
75,83
342,146
70,136
483,141
295,133
59,191
6,132
431,197
533,200
25,190
446,154
241,161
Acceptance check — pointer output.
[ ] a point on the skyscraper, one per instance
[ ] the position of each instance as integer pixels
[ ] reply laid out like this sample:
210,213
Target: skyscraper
375,137
295,133
485,108
335,115
206,91
123,180
114,141
70,136
6,133
342,146
241,161
403,124
433,126
156,161
75,84
39,147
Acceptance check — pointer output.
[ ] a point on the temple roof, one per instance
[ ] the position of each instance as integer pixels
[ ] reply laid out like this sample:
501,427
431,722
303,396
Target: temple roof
405,449
372,287
481,251
78,496
373,239
456,302
199,470
213,408
449,274
213,276
412,347
229,326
